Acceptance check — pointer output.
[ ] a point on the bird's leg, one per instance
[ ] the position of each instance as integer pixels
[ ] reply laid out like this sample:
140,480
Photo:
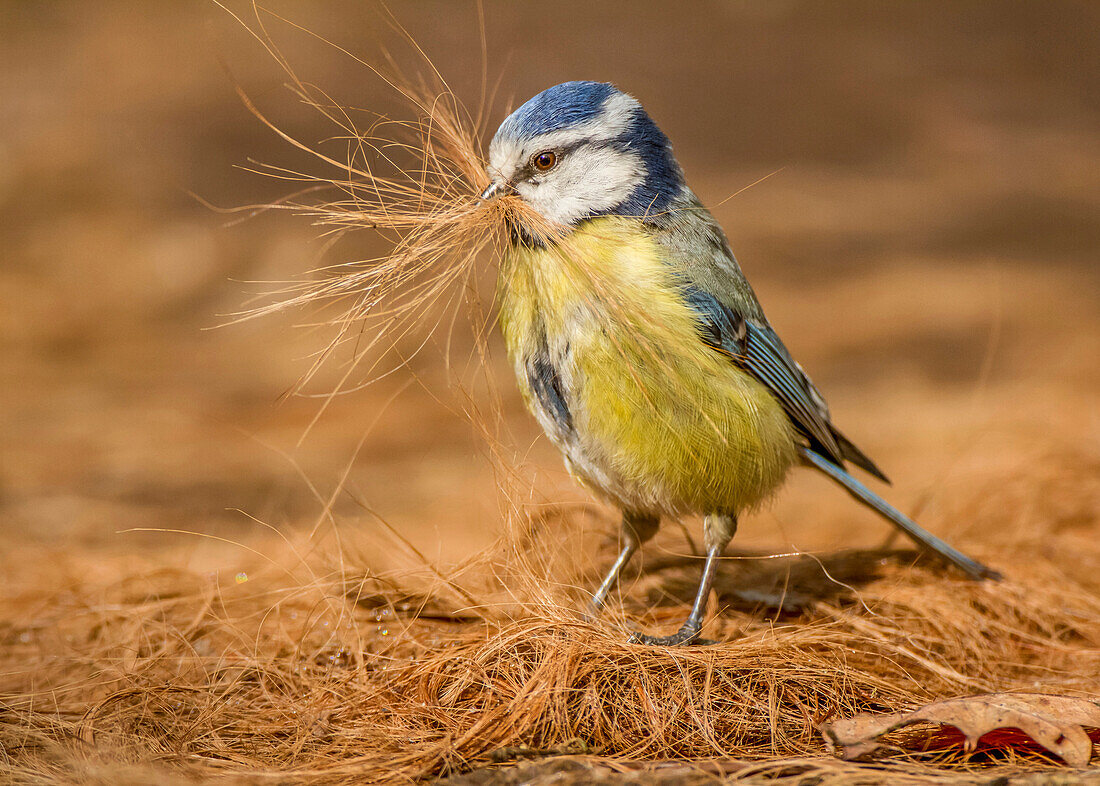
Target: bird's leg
718,531
636,529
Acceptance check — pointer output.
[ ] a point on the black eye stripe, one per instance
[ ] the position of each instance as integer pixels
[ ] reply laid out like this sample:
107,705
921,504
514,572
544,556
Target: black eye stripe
564,150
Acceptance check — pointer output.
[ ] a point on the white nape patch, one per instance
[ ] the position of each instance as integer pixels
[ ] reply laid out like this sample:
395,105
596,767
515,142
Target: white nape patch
585,180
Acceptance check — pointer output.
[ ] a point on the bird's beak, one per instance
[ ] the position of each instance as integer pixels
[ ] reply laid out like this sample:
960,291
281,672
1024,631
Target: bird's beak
495,189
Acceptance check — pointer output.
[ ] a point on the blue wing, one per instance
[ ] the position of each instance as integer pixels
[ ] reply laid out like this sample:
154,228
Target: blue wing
756,348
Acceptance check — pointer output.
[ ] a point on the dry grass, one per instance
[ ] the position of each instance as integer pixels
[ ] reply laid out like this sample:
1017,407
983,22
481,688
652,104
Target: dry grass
323,671
320,663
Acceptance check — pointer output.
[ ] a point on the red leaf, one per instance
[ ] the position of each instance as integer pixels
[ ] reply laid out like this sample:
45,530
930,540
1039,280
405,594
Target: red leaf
997,720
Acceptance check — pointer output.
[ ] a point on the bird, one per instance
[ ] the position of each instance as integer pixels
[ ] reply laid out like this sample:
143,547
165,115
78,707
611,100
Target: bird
640,346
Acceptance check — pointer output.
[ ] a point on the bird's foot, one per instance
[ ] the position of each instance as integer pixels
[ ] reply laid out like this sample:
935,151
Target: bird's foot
687,635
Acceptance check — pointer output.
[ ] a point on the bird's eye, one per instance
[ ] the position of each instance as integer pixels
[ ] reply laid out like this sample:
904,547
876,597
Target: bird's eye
545,160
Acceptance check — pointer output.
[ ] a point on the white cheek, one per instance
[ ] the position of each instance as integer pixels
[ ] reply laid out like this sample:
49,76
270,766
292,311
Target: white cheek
591,181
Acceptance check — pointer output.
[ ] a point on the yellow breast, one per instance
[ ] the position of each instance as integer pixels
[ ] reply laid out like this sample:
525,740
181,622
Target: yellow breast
658,420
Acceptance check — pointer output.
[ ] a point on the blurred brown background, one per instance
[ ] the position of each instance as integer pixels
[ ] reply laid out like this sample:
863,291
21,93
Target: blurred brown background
928,249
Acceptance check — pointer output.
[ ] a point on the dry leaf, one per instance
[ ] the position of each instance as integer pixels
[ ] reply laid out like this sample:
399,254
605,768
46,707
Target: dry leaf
1054,722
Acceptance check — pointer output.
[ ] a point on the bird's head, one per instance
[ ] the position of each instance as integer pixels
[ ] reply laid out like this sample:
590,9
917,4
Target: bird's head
584,149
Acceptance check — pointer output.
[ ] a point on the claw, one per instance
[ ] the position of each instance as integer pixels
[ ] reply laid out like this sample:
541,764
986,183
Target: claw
687,635
689,631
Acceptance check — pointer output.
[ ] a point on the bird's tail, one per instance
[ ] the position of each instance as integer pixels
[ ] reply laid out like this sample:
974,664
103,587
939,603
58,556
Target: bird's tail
971,568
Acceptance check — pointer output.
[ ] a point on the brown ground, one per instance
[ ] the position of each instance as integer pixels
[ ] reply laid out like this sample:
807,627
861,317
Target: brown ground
927,250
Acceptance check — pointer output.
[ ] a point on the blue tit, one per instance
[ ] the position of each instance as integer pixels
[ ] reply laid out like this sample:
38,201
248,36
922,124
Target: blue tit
638,343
